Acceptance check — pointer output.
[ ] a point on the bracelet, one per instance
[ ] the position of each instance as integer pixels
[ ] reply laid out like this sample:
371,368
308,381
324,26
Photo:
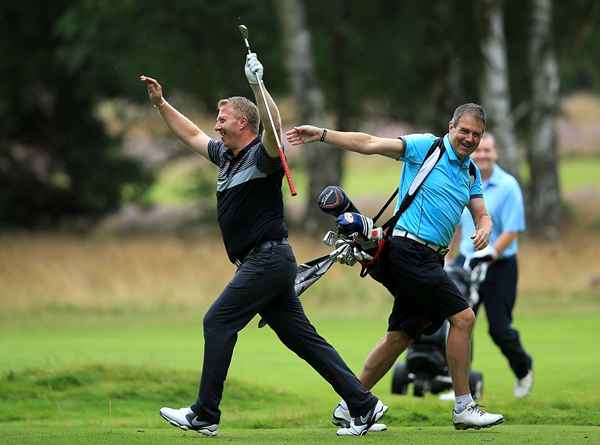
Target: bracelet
323,134
161,104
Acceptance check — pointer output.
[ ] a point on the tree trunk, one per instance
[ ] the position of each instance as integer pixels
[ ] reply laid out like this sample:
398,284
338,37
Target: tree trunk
495,94
323,164
544,187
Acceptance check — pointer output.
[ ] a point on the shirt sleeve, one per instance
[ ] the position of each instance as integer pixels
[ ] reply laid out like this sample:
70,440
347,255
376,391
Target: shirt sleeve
266,163
512,213
216,149
475,189
416,147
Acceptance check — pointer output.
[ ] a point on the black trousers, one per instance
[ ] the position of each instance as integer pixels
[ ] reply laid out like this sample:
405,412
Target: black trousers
498,294
264,284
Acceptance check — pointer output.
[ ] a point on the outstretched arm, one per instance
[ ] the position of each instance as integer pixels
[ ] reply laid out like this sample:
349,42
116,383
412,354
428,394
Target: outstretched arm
358,142
254,73
183,128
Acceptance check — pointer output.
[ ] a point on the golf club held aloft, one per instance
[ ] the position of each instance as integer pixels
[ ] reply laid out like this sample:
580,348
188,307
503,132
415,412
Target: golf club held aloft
244,32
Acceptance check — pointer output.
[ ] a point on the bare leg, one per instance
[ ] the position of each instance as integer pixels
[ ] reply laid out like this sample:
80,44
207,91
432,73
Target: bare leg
383,356
458,350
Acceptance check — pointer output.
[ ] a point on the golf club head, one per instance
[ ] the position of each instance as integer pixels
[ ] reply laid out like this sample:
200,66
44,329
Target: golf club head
334,200
244,31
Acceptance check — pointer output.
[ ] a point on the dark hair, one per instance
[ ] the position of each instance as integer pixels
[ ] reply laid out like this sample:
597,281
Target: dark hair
471,108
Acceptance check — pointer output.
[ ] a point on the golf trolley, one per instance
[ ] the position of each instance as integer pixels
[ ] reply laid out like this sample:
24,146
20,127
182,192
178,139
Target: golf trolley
426,367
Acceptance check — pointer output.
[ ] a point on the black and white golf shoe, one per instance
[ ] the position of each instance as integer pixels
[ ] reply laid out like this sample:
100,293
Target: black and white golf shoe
187,420
361,425
341,417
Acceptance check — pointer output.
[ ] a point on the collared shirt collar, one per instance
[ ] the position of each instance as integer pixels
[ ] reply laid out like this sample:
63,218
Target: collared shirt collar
229,154
496,175
464,163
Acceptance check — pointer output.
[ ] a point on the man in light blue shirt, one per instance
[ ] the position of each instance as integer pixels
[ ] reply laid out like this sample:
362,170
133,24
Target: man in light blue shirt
443,196
498,292
411,267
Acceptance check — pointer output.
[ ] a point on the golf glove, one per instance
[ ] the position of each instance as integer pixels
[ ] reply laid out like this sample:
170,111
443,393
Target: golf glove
485,255
352,222
253,69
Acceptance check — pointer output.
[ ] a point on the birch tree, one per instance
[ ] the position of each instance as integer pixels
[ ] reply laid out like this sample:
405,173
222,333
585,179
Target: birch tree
323,164
544,188
495,91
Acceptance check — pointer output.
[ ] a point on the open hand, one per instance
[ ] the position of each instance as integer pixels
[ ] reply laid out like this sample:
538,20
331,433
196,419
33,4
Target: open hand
303,134
480,238
154,90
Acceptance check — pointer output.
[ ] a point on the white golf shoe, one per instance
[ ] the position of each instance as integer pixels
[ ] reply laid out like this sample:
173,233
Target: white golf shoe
361,425
523,386
473,416
187,420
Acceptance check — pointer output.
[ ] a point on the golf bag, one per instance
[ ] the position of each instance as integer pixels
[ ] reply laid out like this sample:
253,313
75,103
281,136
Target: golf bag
426,367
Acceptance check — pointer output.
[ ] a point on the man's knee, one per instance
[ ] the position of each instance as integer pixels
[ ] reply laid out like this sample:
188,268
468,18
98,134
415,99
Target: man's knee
464,320
397,341
212,322
501,335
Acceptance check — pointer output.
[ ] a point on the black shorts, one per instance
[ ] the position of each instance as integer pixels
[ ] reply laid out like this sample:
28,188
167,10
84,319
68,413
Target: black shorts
424,295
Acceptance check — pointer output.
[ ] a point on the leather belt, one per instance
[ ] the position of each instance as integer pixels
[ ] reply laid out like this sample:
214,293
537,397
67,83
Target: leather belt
440,250
261,248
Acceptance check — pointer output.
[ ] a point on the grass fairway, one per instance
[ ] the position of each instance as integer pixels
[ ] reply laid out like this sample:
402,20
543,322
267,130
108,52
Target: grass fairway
70,375
504,435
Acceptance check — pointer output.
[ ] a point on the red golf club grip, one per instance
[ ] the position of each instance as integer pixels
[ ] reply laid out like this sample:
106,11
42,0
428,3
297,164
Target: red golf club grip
286,170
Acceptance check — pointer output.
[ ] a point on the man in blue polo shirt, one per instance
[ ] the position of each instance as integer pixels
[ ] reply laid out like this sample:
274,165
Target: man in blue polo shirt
498,292
411,268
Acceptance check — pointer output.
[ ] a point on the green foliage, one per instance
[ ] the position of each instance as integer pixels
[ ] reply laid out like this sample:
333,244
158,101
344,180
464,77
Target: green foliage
396,59
399,54
56,160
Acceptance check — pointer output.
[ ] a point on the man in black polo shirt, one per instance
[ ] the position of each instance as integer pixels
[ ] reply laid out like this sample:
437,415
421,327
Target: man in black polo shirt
250,213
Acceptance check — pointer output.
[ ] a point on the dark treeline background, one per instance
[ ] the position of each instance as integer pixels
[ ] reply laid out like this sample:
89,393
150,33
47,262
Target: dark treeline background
405,60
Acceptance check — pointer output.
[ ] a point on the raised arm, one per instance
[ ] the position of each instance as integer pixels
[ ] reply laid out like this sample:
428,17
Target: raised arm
357,142
483,223
180,125
254,73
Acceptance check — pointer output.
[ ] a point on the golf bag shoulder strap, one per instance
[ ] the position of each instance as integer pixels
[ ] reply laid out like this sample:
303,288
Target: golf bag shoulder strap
393,195
472,169
434,154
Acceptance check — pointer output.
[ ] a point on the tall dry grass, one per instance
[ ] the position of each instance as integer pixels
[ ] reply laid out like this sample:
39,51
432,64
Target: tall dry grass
155,270
44,270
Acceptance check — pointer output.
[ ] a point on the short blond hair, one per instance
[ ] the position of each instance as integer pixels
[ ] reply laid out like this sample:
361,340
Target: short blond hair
245,108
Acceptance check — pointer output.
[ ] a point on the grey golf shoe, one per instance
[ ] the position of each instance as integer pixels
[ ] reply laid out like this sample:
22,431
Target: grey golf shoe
187,420
359,426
